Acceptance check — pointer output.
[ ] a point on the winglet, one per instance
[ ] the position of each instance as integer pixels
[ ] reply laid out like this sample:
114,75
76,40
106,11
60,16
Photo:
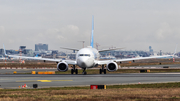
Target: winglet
92,36
4,50
175,50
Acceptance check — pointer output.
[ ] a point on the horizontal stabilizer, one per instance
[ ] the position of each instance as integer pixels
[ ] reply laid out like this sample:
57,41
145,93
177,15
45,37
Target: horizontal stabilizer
109,49
70,48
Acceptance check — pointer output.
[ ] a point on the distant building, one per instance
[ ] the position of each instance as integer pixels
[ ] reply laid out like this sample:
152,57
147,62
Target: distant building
151,50
11,52
54,52
160,52
22,47
1,51
41,47
27,51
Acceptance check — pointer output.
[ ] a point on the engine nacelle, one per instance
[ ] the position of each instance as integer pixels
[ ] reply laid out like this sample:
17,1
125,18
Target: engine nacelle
112,66
62,66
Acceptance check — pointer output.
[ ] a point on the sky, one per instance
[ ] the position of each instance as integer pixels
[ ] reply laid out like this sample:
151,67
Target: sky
133,24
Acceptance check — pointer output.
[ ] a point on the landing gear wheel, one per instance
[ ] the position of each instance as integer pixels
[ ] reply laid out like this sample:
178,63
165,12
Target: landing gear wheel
100,71
104,71
72,71
84,71
76,71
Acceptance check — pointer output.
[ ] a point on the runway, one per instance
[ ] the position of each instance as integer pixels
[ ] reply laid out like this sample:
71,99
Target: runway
61,80
10,71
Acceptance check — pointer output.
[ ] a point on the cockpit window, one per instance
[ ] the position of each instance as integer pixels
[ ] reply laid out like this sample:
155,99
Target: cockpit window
84,55
81,54
87,55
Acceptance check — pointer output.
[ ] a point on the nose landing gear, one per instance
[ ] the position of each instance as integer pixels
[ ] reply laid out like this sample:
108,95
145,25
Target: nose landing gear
84,71
102,70
74,70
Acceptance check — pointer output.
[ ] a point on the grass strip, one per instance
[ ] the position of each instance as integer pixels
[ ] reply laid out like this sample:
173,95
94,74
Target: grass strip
132,92
155,85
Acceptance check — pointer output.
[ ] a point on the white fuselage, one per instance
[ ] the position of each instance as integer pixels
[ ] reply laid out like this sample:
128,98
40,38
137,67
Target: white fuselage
86,57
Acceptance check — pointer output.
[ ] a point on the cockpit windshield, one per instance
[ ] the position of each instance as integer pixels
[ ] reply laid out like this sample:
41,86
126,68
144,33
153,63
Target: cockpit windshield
84,55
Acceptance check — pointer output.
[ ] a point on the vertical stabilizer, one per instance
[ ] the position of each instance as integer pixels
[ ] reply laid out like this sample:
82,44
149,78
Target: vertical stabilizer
4,50
92,36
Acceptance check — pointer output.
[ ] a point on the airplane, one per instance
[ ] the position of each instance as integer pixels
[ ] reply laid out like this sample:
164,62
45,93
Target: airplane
88,57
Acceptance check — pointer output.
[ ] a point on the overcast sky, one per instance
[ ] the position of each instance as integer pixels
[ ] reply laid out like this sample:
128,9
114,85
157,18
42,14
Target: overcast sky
134,24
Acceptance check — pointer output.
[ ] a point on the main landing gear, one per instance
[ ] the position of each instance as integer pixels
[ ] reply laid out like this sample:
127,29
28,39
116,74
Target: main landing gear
74,70
102,70
84,71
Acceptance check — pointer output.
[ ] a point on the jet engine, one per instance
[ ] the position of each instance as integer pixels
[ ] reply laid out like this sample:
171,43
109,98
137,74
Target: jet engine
112,66
62,66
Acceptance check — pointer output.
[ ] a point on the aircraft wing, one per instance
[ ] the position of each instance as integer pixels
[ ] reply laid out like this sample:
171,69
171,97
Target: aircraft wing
72,62
35,58
109,49
44,59
101,62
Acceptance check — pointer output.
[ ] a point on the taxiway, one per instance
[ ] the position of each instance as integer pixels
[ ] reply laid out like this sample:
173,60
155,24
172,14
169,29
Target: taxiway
61,80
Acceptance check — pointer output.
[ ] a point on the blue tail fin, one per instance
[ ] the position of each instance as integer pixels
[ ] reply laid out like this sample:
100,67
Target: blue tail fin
92,36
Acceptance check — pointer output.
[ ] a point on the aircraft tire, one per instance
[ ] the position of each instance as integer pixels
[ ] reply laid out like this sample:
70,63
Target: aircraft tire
100,71
72,71
84,73
104,71
76,70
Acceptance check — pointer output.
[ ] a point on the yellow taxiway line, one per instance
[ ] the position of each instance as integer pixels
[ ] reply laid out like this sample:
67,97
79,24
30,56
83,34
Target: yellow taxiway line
42,80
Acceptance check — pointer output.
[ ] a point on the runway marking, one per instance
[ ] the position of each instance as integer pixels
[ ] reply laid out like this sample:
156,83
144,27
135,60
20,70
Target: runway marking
42,80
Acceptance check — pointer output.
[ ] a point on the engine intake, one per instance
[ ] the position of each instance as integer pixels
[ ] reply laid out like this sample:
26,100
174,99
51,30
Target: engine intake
112,66
62,66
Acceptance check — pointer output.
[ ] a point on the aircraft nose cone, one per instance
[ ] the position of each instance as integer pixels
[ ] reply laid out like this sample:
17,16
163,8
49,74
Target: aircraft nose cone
84,62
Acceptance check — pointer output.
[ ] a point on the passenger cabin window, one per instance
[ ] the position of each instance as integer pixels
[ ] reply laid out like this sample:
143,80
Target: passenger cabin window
84,55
